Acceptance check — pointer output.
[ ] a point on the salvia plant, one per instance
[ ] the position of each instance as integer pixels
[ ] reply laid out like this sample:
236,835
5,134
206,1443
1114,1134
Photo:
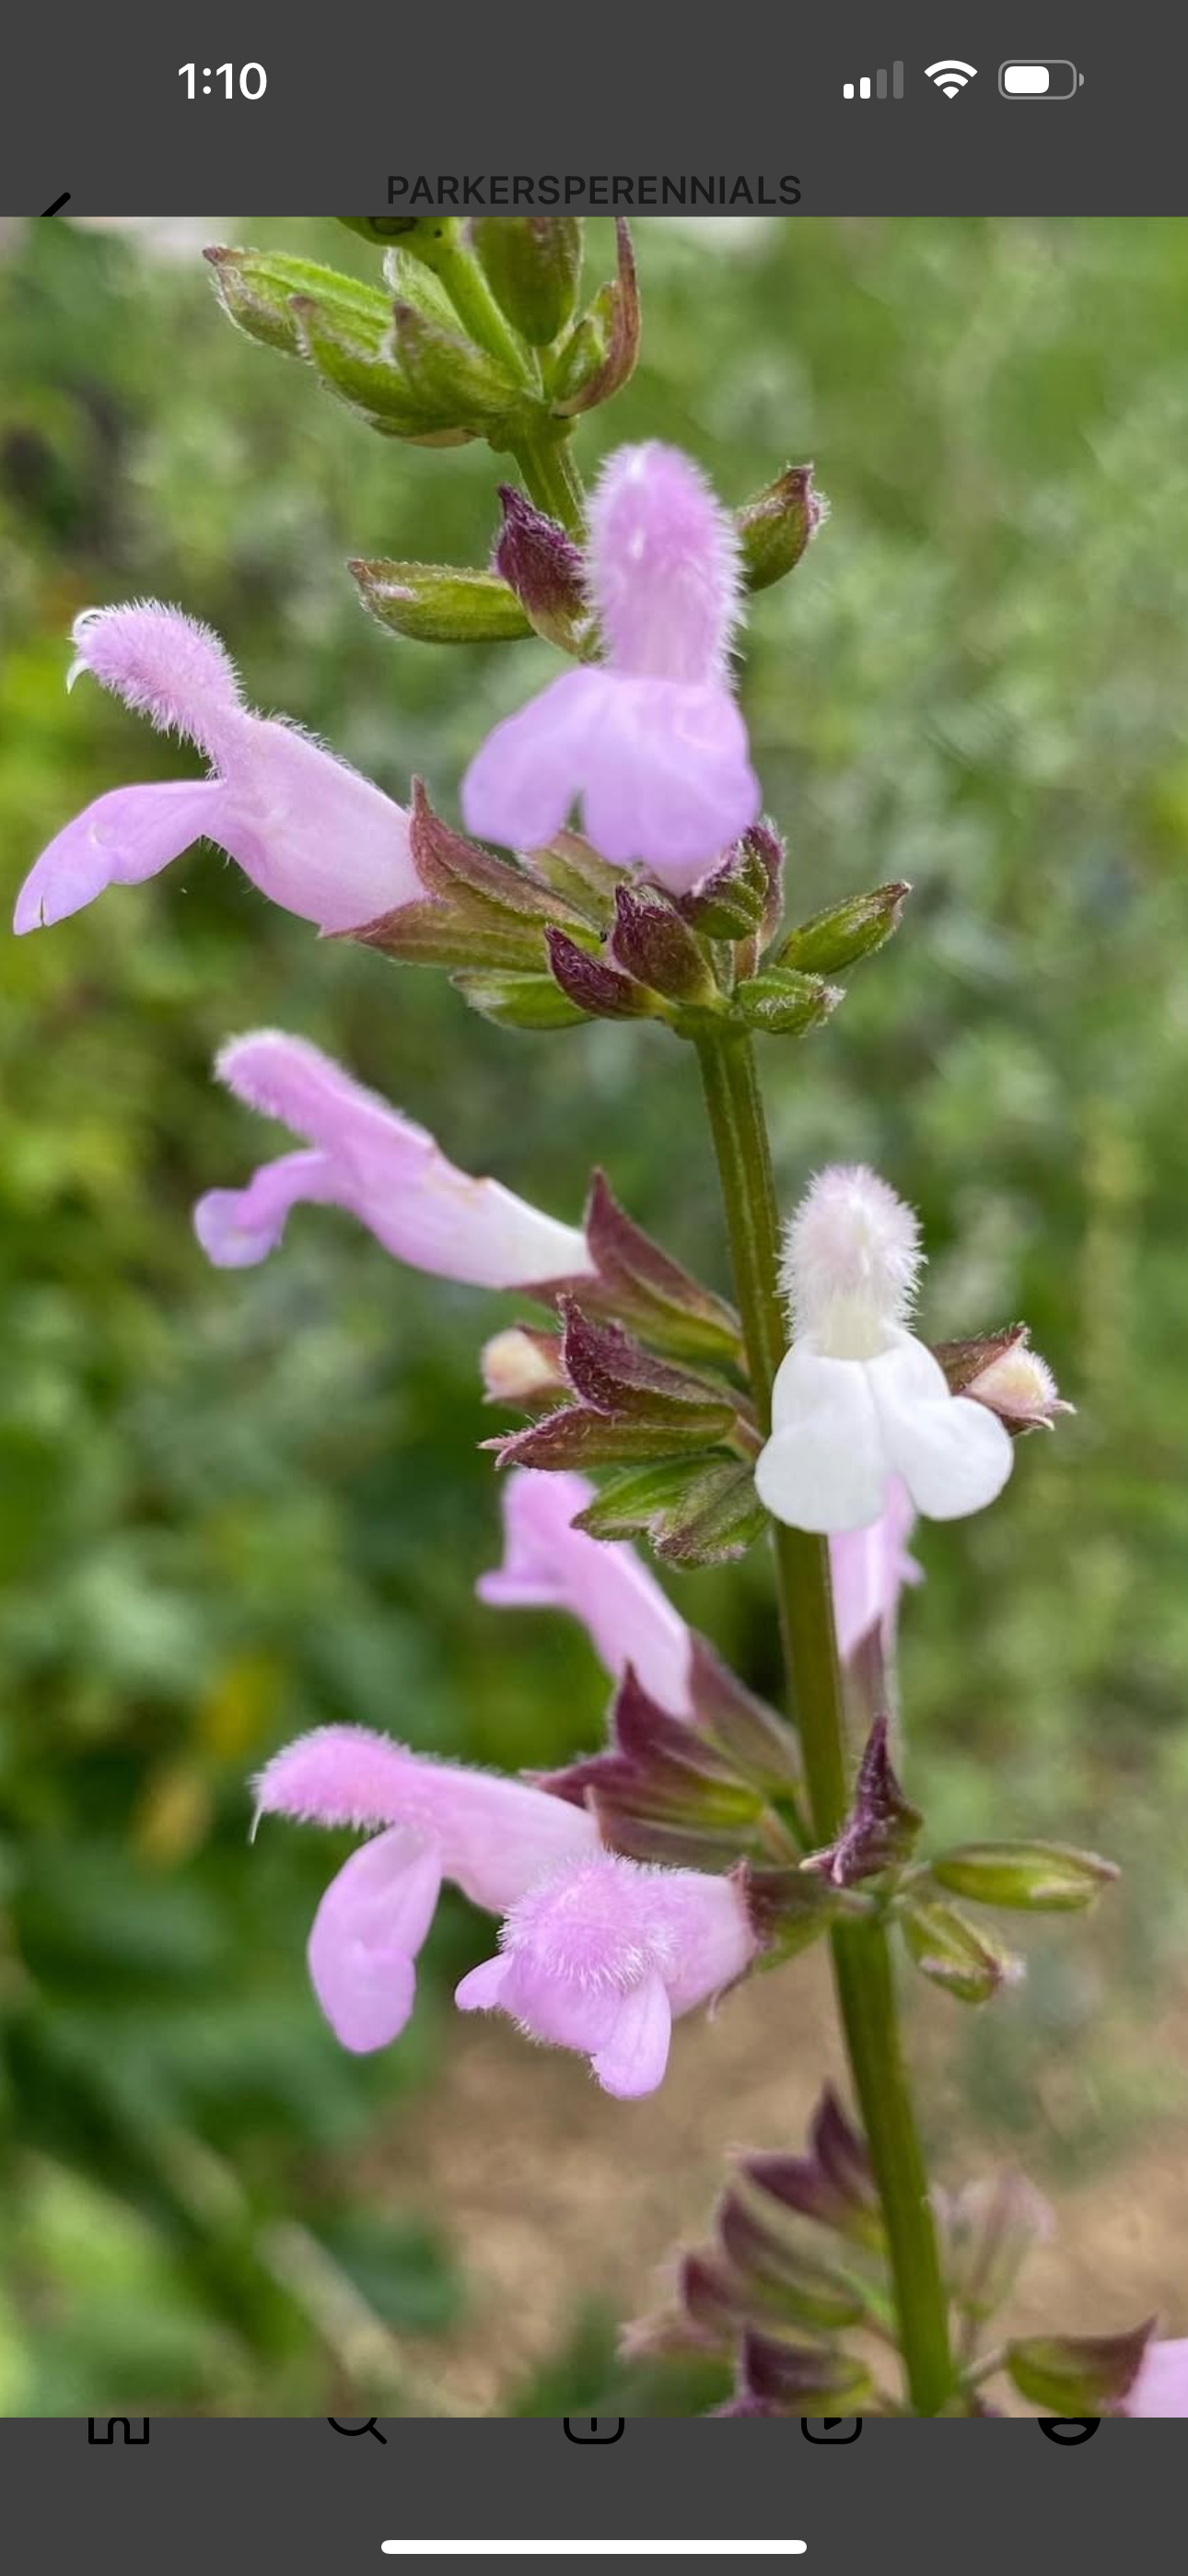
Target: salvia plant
617,863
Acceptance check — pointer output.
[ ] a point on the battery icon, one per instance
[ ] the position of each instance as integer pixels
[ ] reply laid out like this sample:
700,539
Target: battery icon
1050,79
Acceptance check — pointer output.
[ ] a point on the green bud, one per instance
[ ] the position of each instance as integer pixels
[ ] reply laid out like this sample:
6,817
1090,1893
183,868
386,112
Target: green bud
446,372
1071,2375
955,1954
848,931
785,1003
1030,1878
532,264
775,527
256,290
441,604
371,381
742,897
519,1001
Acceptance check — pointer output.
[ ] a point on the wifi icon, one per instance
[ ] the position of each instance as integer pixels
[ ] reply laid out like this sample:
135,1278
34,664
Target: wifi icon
951,77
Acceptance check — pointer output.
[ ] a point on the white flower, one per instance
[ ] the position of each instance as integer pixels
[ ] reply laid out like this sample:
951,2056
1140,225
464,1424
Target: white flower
858,1400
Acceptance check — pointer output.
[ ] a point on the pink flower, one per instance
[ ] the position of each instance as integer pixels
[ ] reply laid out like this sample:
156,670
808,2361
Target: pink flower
651,742
492,1837
602,1956
549,1565
1161,2387
313,835
870,1568
389,1173
858,1401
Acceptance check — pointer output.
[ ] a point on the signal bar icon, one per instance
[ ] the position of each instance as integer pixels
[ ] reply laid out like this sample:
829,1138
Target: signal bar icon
862,87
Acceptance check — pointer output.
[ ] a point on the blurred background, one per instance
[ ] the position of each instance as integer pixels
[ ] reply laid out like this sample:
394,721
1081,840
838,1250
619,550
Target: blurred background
236,1506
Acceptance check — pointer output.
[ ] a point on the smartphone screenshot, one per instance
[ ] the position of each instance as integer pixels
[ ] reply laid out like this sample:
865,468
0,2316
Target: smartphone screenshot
593,1435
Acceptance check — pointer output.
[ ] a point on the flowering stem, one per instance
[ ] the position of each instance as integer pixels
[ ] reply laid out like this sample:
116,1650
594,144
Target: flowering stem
446,254
552,479
861,1957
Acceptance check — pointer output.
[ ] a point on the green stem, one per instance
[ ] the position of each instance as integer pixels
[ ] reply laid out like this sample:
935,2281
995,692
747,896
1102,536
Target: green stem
552,479
475,306
861,1957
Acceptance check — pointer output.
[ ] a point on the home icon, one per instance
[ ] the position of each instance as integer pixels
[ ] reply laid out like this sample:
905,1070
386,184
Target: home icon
103,2428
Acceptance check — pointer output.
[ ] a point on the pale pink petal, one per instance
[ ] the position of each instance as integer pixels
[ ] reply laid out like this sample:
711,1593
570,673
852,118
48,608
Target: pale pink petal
664,565
550,1565
164,665
870,1568
668,780
521,788
495,1835
1161,2387
367,1932
386,1170
123,838
632,2061
953,1455
482,1989
825,1467
315,836
599,1956
237,1228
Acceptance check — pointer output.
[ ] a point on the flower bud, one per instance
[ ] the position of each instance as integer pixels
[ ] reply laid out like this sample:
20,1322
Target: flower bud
742,898
371,381
951,1952
1002,1372
991,2227
532,264
601,350
775,527
785,1004
446,373
441,603
595,987
847,932
256,288
542,566
1071,2375
1029,1878
653,944
518,1001
522,1367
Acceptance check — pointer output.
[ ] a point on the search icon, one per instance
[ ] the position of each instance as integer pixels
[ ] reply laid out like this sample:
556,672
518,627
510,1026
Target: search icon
368,2425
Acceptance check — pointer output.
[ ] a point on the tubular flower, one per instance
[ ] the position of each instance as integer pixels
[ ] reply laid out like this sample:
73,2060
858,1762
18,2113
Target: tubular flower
492,1837
549,1565
858,1400
650,742
389,1173
605,1954
870,1568
311,833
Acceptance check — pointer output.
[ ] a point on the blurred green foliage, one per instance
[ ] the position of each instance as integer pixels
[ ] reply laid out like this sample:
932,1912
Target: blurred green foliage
234,1507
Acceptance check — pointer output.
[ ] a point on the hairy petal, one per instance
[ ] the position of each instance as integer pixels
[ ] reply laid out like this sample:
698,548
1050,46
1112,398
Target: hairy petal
366,1935
550,1565
123,838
